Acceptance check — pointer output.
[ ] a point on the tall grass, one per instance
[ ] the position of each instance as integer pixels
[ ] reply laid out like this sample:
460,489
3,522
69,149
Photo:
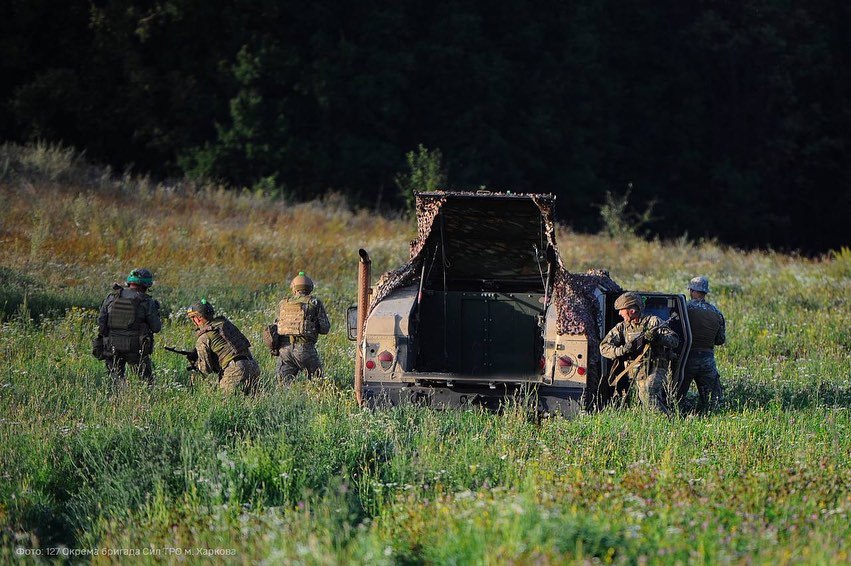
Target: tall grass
301,474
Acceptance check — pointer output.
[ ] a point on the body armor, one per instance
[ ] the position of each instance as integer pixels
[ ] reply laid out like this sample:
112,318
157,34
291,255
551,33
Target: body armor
704,328
125,327
227,342
298,318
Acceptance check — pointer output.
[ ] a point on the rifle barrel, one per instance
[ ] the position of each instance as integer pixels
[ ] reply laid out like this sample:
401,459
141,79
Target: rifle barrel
178,351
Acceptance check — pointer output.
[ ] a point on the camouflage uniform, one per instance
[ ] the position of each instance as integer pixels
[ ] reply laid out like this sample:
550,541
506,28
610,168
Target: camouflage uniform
133,342
625,342
230,358
298,352
709,329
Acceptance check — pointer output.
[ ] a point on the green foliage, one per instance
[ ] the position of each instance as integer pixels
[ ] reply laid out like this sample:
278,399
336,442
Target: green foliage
251,145
425,173
301,474
41,162
24,296
621,224
52,162
734,116
840,262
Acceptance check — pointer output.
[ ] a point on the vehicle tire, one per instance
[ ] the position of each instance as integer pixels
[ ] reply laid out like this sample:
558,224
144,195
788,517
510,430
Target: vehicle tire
597,391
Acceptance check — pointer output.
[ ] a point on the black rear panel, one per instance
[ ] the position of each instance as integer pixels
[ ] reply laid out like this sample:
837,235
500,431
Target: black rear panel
474,333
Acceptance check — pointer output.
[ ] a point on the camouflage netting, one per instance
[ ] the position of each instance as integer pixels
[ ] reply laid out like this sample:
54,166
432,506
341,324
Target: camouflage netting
573,294
578,309
427,210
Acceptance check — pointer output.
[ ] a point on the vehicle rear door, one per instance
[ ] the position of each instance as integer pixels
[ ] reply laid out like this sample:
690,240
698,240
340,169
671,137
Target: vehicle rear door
668,307
672,308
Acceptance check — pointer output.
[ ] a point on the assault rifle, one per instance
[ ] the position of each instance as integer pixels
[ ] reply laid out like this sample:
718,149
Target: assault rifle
614,376
190,355
664,324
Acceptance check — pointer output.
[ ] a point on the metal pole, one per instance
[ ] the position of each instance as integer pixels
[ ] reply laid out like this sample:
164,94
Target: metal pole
364,274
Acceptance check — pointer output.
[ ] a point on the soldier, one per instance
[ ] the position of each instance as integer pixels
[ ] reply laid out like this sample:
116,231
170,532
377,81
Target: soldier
301,319
127,322
708,329
222,349
642,344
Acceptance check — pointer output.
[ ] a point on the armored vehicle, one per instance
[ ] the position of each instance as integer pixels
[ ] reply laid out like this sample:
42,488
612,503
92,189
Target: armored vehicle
484,311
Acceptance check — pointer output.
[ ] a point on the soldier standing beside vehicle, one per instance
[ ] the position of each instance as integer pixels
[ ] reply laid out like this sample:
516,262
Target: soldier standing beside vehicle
642,345
127,322
708,329
223,350
301,319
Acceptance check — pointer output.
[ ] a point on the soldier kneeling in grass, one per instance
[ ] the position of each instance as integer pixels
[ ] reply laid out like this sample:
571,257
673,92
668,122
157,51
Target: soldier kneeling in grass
222,349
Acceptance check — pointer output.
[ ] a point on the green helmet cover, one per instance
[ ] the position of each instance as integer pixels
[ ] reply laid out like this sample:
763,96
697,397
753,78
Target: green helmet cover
141,276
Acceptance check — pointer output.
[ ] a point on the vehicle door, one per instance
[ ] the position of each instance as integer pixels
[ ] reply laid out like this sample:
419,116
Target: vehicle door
668,307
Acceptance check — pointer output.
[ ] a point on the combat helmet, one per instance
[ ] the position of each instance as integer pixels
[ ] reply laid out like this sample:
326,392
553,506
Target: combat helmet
202,309
629,300
141,276
700,284
302,282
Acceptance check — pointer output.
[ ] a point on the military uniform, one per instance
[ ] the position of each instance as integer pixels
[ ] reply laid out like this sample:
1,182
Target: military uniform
626,343
223,350
127,321
708,329
299,333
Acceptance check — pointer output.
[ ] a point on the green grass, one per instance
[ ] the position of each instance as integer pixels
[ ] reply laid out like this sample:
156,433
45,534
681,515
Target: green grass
302,474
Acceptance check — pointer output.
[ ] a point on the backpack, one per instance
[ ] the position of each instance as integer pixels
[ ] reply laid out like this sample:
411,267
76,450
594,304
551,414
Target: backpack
272,339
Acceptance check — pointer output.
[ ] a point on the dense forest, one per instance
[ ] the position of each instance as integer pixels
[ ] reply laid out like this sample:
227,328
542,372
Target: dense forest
733,117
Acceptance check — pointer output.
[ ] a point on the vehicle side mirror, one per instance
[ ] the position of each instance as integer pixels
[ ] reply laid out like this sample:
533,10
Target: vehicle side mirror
352,322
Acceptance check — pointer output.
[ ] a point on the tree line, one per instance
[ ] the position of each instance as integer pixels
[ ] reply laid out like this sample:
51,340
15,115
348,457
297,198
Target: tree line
734,118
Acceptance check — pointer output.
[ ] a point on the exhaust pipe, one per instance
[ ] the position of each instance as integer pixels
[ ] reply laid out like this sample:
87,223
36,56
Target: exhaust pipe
364,274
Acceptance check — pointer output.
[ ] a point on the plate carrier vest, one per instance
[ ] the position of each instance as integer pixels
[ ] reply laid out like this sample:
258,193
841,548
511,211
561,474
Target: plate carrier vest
125,327
297,318
235,344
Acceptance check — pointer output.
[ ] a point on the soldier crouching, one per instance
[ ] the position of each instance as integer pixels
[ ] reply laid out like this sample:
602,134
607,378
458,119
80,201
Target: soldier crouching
301,319
222,349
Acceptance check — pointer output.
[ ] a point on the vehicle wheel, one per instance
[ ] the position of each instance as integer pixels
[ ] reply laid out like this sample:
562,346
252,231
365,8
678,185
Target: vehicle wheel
597,391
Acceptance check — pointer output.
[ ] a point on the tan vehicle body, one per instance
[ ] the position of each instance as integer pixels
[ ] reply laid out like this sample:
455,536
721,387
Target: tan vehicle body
484,312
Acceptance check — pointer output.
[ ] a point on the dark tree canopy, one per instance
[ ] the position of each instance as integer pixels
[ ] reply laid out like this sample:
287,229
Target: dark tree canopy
734,117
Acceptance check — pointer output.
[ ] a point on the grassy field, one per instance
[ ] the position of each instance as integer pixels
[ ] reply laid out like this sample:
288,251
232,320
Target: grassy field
301,474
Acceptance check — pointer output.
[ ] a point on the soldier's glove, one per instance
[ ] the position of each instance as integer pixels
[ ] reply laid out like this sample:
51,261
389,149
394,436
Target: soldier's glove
192,357
651,334
626,349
